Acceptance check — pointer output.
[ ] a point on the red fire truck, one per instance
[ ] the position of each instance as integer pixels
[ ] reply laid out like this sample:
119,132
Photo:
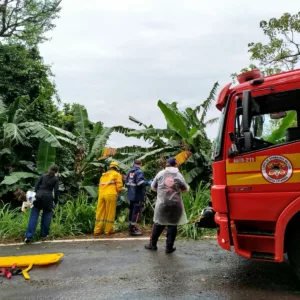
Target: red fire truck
256,168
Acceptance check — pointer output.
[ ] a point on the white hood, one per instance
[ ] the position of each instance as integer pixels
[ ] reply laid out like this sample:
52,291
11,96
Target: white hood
172,169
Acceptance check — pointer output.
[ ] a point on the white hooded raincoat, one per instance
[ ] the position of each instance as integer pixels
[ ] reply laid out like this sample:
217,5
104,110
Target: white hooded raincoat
169,208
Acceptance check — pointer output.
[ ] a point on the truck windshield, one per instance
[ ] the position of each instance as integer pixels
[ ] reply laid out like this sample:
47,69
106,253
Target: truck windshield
217,148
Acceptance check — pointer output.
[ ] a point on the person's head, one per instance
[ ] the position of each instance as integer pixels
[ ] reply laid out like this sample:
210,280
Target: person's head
138,163
171,162
114,166
52,170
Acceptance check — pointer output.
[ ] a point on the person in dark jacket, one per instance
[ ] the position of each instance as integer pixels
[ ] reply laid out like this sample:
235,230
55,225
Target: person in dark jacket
136,190
44,188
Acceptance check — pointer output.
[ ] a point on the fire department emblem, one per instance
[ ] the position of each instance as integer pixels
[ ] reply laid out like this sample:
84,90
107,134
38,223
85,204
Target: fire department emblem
277,169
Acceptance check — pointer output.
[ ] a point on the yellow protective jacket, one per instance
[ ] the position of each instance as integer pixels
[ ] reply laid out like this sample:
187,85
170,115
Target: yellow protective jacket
110,183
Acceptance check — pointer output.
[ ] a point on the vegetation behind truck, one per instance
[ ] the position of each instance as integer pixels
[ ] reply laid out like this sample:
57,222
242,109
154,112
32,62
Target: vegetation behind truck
256,168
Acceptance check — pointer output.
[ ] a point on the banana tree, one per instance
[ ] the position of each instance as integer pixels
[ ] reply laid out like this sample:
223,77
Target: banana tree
16,130
16,136
185,138
89,149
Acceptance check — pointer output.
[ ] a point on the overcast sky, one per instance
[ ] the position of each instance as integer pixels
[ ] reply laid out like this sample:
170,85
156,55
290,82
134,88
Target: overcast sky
118,57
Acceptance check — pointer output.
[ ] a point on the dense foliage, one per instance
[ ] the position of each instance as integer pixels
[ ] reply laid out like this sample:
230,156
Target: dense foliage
35,133
282,51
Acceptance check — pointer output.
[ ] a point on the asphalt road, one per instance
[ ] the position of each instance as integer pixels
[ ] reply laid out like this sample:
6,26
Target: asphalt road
124,270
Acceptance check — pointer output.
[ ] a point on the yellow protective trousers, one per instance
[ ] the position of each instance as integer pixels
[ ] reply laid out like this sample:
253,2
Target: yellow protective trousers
105,214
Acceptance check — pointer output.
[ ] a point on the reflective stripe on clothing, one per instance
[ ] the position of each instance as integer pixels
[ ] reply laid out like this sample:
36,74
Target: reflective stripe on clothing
105,221
105,214
107,182
110,183
141,182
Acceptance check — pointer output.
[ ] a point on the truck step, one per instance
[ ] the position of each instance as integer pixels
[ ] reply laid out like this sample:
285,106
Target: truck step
263,255
257,232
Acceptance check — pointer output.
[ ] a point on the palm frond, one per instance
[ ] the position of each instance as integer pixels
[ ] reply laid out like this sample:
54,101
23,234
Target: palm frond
96,131
134,120
14,177
38,130
17,106
64,132
154,133
67,140
122,129
45,157
99,144
174,119
12,133
193,174
67,173
156,153
211,121
80,119
132,149
208,102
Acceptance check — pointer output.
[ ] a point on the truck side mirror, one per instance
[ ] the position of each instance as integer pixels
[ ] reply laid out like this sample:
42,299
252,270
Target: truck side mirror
248,138
247,110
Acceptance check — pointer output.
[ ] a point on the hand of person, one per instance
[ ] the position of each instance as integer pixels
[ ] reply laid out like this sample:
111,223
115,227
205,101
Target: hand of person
150,182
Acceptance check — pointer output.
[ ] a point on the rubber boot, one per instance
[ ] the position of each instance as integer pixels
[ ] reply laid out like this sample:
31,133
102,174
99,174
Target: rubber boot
151,247
170,248
134,231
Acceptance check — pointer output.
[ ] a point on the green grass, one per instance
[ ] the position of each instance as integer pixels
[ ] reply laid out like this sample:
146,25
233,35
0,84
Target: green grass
73,218
193,206
77,217
13,223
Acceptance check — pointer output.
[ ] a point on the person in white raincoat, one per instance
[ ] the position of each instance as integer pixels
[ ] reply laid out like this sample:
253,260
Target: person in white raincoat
169,208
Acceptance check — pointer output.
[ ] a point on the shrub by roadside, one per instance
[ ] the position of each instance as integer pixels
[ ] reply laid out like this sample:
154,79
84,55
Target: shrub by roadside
194,203
77,217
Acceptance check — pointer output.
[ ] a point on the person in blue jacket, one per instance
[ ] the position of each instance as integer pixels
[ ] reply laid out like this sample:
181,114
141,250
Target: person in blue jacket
136,190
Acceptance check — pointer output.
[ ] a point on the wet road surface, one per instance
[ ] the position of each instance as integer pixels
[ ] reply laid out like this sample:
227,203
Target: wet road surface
124,270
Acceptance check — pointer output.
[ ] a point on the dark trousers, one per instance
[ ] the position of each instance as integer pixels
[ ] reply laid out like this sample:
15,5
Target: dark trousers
33,220
157,231
135,210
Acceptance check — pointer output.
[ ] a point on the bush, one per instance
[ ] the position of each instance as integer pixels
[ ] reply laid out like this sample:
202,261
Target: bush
13,224
77,217
194,203
73,218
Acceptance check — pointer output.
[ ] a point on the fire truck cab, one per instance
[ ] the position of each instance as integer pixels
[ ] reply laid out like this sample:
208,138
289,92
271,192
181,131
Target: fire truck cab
256,168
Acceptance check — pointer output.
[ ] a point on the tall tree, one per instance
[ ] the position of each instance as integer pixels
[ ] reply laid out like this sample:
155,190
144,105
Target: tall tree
23,73
28,20
282,51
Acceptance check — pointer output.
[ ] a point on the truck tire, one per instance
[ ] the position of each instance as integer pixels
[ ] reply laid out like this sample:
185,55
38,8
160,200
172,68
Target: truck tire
293,252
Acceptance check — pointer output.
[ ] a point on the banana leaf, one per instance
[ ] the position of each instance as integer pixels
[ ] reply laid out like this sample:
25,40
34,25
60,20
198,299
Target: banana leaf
14,177
174,120
279,133
46,156
81,119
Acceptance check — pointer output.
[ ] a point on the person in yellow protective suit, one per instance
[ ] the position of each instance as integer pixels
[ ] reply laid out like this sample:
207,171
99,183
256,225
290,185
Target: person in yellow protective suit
109,187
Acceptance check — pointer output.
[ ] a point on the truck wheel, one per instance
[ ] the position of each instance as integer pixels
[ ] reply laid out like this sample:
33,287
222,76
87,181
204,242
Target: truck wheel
293,252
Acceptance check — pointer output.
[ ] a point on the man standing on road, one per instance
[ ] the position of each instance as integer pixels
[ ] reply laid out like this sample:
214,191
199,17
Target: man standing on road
136,187
169,208
109,188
